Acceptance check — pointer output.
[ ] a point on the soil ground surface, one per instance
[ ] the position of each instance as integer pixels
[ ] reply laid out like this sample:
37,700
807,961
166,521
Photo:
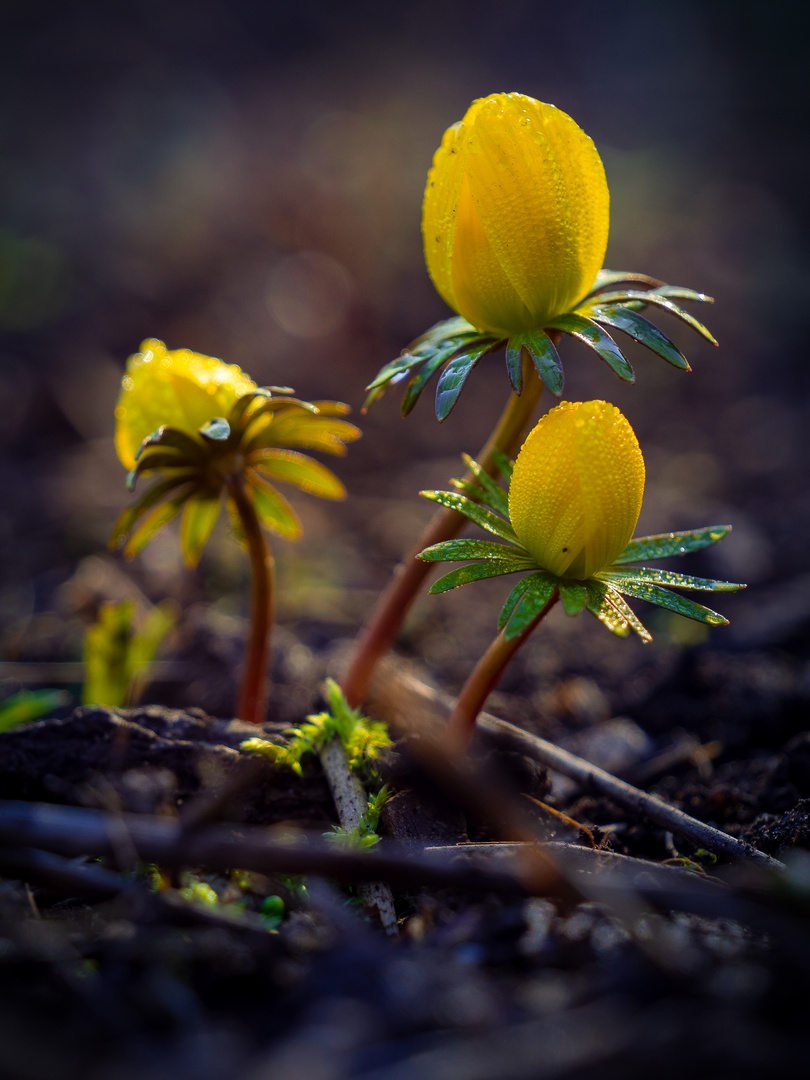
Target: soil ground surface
161,980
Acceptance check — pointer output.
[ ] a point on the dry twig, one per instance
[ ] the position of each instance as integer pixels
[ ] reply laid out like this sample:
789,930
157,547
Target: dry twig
397,696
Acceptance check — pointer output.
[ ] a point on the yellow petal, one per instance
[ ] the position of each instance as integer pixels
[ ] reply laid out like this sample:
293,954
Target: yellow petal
179,389
515,216
577,487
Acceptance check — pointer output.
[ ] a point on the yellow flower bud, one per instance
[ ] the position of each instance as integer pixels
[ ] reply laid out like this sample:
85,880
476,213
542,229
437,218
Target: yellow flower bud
576,489
515,216
178,389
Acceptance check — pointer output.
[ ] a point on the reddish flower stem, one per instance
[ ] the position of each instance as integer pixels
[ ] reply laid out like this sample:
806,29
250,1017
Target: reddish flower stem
253,693
483,679
393,603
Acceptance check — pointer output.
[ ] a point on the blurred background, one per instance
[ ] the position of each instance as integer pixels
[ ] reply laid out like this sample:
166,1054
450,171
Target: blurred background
245,180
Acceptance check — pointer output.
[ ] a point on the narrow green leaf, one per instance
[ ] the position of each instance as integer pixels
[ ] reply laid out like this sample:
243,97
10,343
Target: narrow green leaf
173,437
546,360
155,625
481,516
642,330
458,550
574,596
162,514
663,545
639,299
404,363
107,668
498,498
475,572
670,579
372,397
217,429
149,499
452,379
480,495
155,459
241,406
655,594
299,470
424,349
269,413
599,340
599,604
455,327
512,599
613,277
678,292
417,384
275,513
304,432
620,605
514,362
423,357
332,408
503,463
27,705
199,517
540,593
544,356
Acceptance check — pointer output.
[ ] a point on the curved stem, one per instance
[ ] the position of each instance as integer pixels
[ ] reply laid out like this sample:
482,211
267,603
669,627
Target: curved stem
253,692
483,679
393,603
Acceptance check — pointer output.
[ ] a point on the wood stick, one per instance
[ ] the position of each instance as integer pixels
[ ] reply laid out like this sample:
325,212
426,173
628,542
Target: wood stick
72,831
396,695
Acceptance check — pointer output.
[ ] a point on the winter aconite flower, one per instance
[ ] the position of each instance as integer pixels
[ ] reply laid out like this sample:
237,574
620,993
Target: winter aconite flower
573,502
208,430
515,225
213,436
515,216
576,489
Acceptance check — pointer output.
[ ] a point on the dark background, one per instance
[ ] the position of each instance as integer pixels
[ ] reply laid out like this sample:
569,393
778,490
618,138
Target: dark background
245,180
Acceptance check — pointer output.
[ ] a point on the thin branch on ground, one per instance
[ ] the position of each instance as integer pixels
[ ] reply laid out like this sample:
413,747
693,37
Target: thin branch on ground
60,873
74,831
611,878
397,697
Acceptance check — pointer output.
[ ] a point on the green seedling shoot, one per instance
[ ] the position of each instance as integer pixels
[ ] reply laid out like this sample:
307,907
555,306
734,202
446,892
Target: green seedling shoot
363,739
118,650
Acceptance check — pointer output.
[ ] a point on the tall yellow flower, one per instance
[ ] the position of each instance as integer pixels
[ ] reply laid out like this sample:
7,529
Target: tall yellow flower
576,488
515,225
515,216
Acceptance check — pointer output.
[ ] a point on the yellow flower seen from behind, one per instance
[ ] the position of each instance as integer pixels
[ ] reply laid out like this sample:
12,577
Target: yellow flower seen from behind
576,489
180,389
515,215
